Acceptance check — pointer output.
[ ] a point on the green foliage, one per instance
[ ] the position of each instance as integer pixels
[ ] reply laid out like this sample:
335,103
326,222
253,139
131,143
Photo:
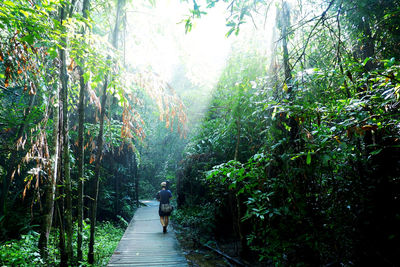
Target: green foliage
24,252
322,167
303,171
240,10
200,219
107,239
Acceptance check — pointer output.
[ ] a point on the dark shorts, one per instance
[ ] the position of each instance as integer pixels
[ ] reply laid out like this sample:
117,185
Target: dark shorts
162,214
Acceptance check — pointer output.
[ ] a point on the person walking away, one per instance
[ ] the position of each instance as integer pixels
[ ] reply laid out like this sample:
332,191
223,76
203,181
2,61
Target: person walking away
163,196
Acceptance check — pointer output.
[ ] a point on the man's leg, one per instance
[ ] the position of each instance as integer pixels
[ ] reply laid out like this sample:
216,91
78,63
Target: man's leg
164,225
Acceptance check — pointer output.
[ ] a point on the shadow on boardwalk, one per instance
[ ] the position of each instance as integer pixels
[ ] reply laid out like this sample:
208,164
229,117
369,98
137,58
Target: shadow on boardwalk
144,244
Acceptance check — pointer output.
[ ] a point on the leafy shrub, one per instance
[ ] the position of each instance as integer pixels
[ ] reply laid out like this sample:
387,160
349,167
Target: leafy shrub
22,252
199,218
107,239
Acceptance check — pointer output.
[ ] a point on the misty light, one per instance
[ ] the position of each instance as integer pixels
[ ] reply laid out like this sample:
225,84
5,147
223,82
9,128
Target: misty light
156,39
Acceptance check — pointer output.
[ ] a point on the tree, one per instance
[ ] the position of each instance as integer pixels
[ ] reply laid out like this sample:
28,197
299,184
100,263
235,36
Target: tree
81,116
319,126
120,6
66,177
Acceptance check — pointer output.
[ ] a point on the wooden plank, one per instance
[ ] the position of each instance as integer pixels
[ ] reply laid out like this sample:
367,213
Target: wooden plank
144,243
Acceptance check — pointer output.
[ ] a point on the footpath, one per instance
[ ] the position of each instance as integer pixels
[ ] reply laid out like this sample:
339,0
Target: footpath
144,243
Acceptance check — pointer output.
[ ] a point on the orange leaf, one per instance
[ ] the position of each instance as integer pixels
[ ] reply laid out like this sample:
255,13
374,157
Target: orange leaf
71,66
91,159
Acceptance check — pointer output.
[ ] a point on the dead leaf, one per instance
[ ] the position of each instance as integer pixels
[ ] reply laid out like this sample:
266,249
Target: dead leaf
91,159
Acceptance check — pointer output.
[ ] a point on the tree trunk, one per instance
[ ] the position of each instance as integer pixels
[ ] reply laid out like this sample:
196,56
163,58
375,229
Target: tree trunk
136,178
242,235
50,190
60,181
95,186
80,164
80,160
116,188
61,244
294,129
285,26
237,138
65,137
368,46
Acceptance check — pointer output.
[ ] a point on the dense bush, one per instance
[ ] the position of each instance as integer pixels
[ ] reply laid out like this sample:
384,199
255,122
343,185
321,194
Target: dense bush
317,198
199,219
24,251
307,168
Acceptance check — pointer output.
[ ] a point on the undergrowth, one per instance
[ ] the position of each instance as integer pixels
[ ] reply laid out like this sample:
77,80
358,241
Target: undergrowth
24,251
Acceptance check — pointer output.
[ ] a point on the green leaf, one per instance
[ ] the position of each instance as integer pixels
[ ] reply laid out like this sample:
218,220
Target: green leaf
188,25
231,30
308,161
28,38
52,52
376,152
232,185
366,61
274,112
9,3
86,76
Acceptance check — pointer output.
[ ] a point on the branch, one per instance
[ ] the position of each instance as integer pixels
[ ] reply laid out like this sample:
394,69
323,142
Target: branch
312,30
254,23
71,10
301,24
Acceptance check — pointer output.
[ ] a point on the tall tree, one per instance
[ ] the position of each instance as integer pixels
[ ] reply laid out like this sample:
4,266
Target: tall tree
95,187
50,185
81,119
135,178
285,26
65,131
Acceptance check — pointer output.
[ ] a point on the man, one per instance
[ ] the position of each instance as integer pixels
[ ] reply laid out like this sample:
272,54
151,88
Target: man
165,208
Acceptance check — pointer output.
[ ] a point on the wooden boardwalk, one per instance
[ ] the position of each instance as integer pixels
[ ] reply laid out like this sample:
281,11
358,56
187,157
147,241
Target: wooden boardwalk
144,243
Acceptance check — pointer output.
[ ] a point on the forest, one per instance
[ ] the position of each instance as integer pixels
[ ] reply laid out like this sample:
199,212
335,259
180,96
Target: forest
276,123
